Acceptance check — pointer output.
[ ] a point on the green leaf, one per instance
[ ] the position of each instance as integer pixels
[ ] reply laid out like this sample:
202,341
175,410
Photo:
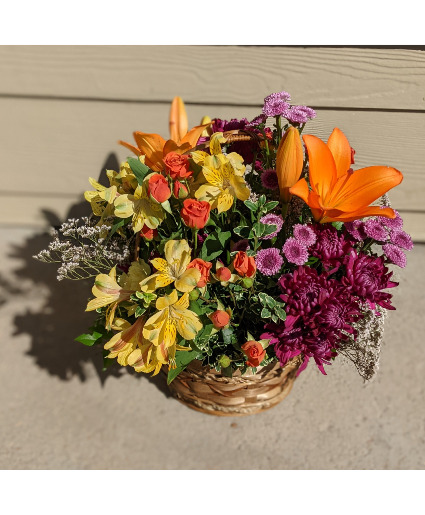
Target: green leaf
183,358
139,169
270,205
265,313
266,300
251,205
195,307
107,362
139,311
338,225
227,335
243,231
89,339
214,245
115,228
270,228
227,372
167,207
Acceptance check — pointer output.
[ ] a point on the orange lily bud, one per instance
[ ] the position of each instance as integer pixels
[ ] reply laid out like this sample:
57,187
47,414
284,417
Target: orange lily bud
289,162
178,120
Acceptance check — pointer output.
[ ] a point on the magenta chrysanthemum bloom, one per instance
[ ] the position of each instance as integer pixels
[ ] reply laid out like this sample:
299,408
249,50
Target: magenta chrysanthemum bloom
375,229
330,246
299,114
262,118
401,239
356,229
272,219
276,104
395,254
295,252
366,276
268,261
269,179
304,234
392,223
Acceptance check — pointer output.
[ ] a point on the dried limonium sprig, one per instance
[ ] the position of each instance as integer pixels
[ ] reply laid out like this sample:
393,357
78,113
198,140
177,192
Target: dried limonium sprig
82,249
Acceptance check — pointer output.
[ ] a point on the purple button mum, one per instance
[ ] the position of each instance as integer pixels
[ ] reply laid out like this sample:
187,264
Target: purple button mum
395,254
392,223
269,179
276,104
375,229
356,229
271,219
300,114
304,234
268,261
401,239
295,252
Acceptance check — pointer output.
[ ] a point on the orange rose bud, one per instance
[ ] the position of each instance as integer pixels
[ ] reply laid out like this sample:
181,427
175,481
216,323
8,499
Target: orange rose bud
254,352
220,319
204,268
289,162
223,274
158,188
148,233
245,266
177,165
180,190
195,213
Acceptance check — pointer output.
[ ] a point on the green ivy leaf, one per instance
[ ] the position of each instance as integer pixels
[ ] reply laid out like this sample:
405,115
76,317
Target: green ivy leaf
89,339
139,169
270,205
338,225
183,358
265,313
243,231
251,205
214,245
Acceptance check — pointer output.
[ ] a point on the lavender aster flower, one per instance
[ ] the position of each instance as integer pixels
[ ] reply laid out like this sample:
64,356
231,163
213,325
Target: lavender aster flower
401,239
295,252
269,261
356,229
299,114
392,223
395,255
276,104
269,179
375,229
272,219
304,234
257,121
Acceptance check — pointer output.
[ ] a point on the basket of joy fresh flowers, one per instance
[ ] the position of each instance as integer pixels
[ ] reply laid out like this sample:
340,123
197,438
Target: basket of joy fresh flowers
231,255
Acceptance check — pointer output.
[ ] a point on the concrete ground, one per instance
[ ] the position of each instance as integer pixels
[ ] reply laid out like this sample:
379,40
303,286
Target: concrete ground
58,410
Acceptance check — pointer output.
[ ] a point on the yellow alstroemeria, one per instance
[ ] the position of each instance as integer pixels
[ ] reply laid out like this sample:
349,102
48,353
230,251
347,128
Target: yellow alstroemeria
141,207
223,175
124,180
107,291
102,199
173,316
122,344
173,269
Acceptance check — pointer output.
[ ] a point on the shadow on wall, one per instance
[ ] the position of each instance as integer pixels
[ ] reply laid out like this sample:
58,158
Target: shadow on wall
55,325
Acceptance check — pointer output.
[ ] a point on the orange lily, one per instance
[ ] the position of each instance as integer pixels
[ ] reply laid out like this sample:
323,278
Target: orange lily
154,147
337,192
289,162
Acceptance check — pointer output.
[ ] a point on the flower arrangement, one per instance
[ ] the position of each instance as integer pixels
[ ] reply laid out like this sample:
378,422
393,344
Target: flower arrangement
237,244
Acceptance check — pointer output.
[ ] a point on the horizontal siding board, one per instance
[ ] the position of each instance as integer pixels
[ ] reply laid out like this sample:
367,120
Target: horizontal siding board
324,77
52,147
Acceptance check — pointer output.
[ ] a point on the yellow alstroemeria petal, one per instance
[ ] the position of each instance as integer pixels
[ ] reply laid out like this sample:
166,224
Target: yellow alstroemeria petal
224,202
119,324
188,324
123,206
208,193
237,163
138,271
199,156
100,302
182,303
240,187
213,176
215,143
188,280
149,285
168,333
161,265
153,326
96,185
166,301
175,251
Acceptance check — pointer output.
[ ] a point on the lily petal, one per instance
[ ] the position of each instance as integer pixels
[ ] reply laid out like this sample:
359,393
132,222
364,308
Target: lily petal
322,169
341,151
151,145
178,120
289,162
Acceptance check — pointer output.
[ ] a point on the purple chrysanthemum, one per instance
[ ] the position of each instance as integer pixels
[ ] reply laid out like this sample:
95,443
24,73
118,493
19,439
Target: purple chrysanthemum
257,121
331,246
392,223
295,252
276,104
375,229
299,114
268,261
304,234
395,254
272,219
401,239
269,179
366,277
356,229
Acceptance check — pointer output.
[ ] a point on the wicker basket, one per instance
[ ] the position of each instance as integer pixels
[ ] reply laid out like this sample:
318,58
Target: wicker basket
204,389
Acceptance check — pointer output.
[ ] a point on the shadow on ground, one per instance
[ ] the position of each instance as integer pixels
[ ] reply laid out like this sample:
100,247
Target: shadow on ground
53,326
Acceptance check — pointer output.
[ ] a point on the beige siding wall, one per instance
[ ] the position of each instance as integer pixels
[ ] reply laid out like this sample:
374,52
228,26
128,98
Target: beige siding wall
63,109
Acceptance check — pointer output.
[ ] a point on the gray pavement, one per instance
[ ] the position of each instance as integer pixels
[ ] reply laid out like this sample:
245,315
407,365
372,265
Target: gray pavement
58,410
